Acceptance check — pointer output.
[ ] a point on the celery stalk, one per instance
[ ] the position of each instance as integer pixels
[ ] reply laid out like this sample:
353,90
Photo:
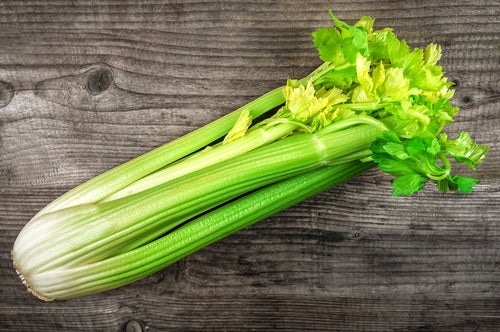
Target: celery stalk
153,212
125,174
130,266
247,143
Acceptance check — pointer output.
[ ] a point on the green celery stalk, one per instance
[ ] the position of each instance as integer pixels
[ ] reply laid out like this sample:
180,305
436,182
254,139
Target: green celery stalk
135,264
121,176
247,143
151,213
125,174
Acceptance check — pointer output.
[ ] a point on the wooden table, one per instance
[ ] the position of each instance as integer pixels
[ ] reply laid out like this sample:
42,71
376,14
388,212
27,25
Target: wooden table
85,86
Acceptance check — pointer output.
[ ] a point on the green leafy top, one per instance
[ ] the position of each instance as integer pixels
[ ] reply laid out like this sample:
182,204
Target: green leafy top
407,91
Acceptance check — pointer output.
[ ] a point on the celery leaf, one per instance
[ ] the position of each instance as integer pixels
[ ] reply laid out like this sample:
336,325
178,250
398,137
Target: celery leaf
240,127
415,160
464,150
327,41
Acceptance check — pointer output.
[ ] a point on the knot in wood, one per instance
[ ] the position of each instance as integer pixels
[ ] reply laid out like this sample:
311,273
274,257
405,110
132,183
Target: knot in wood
466,100
99,80
6,93
134,326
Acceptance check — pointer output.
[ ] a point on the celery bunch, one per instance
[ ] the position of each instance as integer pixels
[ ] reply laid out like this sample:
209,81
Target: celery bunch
372,102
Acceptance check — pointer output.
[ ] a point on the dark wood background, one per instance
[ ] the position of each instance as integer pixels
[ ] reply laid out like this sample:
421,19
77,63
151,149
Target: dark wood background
87,85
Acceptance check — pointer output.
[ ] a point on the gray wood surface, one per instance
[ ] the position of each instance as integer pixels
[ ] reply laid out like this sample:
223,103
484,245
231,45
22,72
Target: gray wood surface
85,86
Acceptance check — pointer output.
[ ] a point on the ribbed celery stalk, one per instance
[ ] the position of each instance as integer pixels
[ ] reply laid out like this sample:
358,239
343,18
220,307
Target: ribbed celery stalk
67,282
123,175
119,177
119,226
256,138
142,217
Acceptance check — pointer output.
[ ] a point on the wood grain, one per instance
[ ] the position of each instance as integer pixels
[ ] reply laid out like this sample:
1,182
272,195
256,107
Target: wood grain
85,86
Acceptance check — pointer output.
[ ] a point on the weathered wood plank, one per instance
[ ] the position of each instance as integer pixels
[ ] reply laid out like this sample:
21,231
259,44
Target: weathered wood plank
85,86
